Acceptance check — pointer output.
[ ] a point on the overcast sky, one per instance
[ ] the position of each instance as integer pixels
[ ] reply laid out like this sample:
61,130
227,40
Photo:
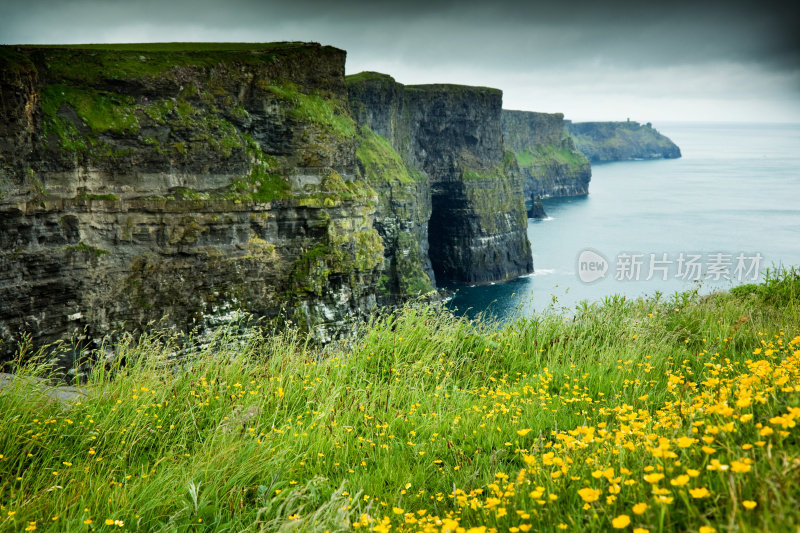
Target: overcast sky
726,60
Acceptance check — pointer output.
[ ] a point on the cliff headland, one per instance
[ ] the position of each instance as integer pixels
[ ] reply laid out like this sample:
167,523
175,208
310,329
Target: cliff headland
621,141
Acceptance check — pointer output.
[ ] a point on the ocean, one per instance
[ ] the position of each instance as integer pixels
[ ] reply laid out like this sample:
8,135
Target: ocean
720,216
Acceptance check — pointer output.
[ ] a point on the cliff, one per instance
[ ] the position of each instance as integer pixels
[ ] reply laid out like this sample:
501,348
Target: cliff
547,157
187,180
621,141
451,136
401,219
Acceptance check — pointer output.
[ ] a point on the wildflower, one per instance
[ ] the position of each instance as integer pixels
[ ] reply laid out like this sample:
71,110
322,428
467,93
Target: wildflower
700,492
589,494
641,530
708,450
707,529
685,442
621,521
740,467
397,510
749,504
639,508
716,465
523,432
679,481
654,477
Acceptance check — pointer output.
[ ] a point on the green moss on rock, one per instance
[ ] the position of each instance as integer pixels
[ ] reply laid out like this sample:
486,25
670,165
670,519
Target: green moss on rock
316,107
101,111
379,161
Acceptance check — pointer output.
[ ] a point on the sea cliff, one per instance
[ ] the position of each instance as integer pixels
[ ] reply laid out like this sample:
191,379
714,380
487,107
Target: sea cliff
451,135
183,183
180,180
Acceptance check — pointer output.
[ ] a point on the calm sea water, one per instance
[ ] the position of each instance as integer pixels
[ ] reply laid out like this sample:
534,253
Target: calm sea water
732,197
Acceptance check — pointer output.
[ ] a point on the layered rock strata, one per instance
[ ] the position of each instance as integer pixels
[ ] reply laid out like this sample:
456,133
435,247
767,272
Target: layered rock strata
186,181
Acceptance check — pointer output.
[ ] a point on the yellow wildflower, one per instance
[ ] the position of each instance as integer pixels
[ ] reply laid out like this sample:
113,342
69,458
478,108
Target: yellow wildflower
639,508
589,494
700,492
749,504
679,481
740,467
654,477
621,522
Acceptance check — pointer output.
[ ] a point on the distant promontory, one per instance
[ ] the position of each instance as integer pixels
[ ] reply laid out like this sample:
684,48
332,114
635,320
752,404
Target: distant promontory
621,141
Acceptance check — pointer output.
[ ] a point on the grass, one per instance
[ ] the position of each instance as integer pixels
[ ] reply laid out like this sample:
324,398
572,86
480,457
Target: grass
548,154
87,64
379,161
175,47
101,112
324,110
369,76
654,414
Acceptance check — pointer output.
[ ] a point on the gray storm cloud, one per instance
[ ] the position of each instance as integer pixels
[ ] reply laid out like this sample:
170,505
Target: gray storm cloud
543,54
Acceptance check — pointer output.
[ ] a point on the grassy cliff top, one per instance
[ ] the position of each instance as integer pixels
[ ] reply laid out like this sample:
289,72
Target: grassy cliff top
520,113
430,87
89,64
452,88
369,76
172,47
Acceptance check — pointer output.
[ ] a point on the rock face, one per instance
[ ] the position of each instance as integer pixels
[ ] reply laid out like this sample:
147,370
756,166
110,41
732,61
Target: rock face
621,141
182,180
547,157
403,212
451,136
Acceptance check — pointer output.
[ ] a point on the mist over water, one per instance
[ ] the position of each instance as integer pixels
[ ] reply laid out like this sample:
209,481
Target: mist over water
735,191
